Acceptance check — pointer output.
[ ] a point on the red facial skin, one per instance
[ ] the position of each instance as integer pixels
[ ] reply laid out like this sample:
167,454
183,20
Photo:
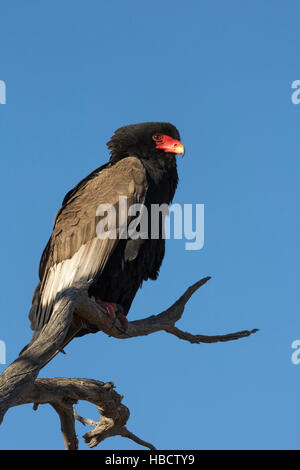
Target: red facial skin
167,144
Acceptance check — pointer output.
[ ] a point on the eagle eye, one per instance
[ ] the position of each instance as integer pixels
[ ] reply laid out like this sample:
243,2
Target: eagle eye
157,137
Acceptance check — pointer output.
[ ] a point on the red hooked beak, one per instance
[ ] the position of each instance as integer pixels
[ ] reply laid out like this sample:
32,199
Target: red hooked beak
167,144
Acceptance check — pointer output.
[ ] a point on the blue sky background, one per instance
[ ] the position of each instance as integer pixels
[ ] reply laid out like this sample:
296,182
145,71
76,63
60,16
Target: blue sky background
221,72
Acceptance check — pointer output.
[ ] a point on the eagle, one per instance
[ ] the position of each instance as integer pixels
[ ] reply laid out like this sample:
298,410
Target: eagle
142,169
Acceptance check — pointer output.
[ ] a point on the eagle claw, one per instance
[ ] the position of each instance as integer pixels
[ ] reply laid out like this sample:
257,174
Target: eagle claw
123,320
114,310
110,307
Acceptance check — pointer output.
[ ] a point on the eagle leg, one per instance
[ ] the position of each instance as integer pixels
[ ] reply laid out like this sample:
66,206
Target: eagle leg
114,310
122,316
123,320
110,307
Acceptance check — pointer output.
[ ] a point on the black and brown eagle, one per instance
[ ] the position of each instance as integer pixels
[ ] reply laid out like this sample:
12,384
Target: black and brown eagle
142,168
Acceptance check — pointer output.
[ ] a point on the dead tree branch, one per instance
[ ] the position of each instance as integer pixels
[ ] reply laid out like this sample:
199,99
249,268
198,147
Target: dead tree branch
19,383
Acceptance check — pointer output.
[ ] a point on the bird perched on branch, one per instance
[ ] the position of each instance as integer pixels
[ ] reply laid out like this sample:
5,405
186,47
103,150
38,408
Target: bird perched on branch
142,169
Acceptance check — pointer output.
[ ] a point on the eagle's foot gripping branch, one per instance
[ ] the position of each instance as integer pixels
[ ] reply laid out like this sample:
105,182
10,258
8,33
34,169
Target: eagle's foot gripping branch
114,311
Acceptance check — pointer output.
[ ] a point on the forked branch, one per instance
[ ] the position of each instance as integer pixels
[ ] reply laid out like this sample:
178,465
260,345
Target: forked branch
19,383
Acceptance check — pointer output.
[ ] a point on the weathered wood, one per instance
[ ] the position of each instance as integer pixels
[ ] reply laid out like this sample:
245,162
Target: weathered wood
19,383
18,377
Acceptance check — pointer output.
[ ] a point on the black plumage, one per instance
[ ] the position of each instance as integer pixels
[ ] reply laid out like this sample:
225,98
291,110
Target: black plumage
139,169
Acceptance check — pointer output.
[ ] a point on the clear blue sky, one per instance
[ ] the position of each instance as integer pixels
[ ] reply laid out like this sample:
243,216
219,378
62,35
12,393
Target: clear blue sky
222,73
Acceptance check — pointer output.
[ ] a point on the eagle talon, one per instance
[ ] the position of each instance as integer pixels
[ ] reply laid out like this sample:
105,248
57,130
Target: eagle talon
123,320
114,311
110,307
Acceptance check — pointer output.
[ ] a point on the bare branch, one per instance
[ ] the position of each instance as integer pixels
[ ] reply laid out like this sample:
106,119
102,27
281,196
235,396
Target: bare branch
164,321
90,311
197,339
19,383
63,393
18,377
67,424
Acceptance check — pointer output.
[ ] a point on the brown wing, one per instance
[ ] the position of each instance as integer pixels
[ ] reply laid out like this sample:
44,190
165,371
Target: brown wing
74,251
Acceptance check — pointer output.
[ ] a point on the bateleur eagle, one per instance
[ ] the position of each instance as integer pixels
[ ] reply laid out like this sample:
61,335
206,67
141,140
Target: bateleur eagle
142,167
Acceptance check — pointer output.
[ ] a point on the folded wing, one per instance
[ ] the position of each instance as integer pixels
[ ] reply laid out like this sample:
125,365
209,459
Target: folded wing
75,252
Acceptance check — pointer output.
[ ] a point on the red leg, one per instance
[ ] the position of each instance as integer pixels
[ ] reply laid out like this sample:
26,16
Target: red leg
113,311
110,307
123,320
